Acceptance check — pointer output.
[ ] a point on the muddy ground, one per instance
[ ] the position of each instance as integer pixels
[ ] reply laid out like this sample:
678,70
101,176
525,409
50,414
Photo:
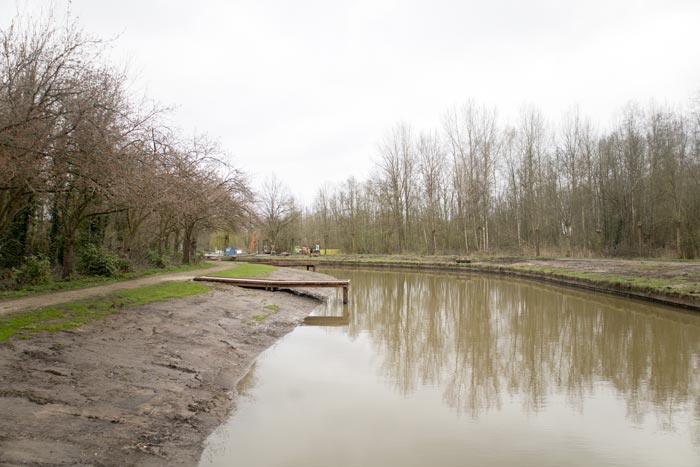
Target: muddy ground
622,267
144,386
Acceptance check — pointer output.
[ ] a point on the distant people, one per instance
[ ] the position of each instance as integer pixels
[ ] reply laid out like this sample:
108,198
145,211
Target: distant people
317,249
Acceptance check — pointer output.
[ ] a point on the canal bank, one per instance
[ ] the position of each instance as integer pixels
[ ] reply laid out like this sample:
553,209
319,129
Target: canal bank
674,283
144,386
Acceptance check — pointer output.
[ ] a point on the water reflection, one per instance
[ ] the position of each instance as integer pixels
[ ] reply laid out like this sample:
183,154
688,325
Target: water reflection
482,338
432,369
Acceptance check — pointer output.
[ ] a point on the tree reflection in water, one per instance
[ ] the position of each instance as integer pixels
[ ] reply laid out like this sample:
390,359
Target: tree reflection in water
482,339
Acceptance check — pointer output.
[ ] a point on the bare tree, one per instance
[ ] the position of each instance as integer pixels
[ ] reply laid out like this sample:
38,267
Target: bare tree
82,164
277,210
396,171
432,171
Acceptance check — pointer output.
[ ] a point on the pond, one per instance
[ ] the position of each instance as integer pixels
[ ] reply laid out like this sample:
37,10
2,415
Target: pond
445,370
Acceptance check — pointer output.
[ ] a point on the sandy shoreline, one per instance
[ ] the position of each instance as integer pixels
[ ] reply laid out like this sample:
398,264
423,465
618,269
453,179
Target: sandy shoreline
145,386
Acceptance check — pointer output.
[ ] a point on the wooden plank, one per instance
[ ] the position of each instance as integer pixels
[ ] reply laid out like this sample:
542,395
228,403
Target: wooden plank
269,260
272,284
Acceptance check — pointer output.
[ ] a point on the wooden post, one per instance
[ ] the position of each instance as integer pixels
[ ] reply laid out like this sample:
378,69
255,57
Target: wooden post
345,294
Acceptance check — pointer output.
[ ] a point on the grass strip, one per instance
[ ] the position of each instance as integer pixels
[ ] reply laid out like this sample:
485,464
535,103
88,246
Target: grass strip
77,313
246,270
88,281
651,284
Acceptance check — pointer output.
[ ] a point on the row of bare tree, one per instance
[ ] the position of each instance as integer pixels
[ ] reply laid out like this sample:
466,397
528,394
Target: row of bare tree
83,163
477,185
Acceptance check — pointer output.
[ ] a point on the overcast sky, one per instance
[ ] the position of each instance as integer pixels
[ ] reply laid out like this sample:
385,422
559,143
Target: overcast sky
307,88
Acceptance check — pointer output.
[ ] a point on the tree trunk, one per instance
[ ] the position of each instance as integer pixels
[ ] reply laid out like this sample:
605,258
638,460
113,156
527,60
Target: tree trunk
486,234
639,238
466,237
68,254
186,246
584,232
176,242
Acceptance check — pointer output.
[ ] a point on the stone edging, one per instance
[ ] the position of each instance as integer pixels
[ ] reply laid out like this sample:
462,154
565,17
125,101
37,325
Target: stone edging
628,291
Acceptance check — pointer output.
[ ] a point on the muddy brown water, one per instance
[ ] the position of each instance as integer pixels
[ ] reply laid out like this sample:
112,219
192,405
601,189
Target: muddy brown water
433,369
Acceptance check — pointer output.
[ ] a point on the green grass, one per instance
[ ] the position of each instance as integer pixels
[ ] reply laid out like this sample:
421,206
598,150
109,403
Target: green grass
88,281
246,270
74,314
258,319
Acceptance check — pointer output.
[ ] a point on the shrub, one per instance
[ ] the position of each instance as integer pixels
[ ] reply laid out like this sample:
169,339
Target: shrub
199,256
36,270
97,262
159,261
123,264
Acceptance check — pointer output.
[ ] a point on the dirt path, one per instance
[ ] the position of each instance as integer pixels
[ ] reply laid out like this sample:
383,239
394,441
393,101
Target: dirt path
623,267
54,298
144,386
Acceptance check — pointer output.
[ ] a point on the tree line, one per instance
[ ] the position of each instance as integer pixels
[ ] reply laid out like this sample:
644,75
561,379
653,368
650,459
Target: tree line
89,173
87,170
477,185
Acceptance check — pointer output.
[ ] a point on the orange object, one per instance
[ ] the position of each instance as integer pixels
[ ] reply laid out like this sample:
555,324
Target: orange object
252,243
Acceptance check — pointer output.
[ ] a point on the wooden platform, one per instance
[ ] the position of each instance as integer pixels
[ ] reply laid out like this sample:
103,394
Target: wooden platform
269,284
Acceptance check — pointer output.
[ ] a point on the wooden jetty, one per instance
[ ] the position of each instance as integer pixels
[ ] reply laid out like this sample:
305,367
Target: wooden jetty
269,284
310,265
